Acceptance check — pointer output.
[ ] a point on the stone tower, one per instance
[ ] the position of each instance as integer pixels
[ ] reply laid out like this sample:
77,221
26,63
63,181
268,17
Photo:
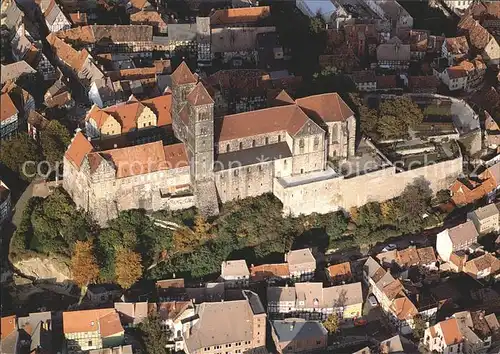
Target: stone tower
200,137
203,41
183,82
193,123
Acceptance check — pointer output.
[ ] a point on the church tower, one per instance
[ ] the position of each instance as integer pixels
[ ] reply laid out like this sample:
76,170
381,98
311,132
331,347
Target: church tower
200,133
193,124
183,82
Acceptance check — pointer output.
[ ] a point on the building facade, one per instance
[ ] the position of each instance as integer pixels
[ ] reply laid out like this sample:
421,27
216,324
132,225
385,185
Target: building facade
9,118
313,302
5,203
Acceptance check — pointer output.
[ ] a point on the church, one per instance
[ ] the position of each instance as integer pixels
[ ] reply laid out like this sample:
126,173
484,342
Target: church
171,152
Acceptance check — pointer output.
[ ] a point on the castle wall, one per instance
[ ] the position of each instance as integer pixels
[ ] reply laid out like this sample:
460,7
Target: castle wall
343,193
246,181
76,184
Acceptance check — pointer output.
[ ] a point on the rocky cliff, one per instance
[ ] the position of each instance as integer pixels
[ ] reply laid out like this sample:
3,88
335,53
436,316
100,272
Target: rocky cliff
45,269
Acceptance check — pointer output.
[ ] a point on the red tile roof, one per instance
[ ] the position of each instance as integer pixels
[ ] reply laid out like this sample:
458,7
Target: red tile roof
403,308
75,59
146,158
7,106
419,82
84,321
199,96
8,325
78,149
290,118
457,45
451,331
386,82
182,75
267,271
240,15
78,18
110,324
161,106
340,270
328,107
147,17
456,72
283,98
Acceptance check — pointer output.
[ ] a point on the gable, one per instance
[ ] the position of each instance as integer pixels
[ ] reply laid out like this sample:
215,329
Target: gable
111,126
309,128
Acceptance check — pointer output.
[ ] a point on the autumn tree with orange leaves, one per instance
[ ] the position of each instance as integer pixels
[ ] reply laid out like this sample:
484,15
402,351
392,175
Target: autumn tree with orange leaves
186,239
128,267
83,263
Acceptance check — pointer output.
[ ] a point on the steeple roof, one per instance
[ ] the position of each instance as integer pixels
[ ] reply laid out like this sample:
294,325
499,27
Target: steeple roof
199,96
182,75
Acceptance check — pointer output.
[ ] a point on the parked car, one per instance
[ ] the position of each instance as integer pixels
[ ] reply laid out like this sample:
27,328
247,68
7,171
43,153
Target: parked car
360,322
389,247
372,300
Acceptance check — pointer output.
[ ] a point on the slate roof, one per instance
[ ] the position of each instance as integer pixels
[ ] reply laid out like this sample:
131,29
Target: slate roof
295,329
251,156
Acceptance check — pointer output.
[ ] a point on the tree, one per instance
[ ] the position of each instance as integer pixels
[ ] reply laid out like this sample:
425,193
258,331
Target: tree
335,225
368,121
54,140
397,116
83,264
332,323
389,127
317,24
443,196
419,327
186,240
153,336
128,267
5,45
21,156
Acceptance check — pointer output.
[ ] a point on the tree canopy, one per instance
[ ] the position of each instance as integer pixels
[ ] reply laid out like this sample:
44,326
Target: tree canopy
392,120
14,153
128,268
332,323
54,141
84,267
52,226
153,336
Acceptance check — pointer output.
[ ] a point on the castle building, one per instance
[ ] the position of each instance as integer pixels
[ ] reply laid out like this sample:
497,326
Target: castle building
284,149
